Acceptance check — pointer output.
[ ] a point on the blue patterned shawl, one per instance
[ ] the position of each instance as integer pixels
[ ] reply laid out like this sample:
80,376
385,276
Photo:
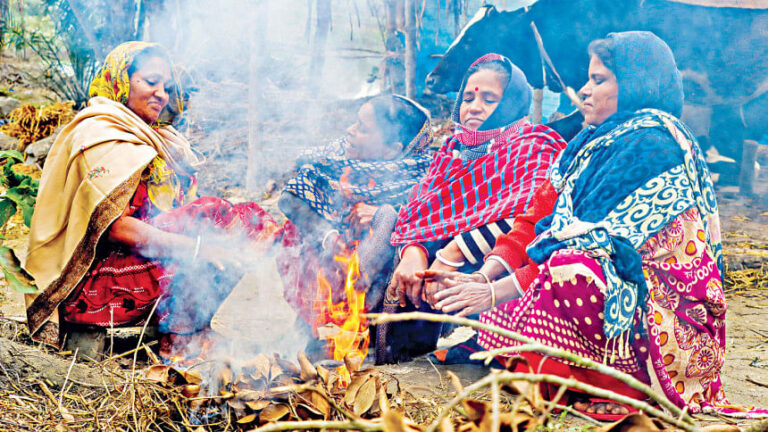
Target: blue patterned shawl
619,189
332,184
621,182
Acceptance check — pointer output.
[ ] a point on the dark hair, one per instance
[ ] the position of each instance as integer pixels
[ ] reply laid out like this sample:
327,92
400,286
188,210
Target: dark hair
397,119
603,49
494,65
144,55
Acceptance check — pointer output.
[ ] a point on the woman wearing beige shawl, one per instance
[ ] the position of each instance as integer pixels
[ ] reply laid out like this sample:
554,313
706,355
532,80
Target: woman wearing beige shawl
118,228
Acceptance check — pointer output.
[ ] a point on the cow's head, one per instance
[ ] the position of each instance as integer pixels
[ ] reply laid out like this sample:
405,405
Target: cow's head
487,31
447,74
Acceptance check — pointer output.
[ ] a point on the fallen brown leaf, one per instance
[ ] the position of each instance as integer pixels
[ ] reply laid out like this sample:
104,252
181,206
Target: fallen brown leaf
250,418
273,413
353,387
635,422
365,397
720,427
308,371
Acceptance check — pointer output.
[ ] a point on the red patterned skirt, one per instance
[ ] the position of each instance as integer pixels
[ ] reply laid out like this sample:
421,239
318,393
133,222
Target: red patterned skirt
121,287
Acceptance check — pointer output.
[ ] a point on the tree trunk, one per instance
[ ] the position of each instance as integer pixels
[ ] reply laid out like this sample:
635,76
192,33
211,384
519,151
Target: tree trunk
85,27
393,64
410,48
256,50
322,27
456,12
3,23
140,20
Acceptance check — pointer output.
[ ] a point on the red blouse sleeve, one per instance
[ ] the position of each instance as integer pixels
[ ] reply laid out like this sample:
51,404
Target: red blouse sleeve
511,246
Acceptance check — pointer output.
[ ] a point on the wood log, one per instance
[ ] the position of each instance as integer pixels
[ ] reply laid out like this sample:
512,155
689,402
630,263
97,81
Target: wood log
410,48
747,171
256,45
22,361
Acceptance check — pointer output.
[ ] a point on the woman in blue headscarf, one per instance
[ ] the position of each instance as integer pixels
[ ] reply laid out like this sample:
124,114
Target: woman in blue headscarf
627,268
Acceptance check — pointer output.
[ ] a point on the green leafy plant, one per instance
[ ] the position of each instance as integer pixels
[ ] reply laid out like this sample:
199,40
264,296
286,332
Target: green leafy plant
20,195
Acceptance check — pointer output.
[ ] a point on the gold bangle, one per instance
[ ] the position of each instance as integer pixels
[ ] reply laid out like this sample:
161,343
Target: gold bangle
490,286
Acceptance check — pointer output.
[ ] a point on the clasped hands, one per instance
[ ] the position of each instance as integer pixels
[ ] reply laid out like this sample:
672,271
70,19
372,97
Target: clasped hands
439,285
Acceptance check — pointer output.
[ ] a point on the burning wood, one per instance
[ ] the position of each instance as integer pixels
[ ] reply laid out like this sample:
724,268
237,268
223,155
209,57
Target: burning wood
342,323
270,389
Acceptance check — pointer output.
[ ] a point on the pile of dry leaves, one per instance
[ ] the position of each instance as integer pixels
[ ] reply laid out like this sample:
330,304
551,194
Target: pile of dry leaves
29,123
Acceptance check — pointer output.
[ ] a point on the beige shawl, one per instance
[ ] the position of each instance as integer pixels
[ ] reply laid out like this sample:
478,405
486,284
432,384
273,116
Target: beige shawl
90,175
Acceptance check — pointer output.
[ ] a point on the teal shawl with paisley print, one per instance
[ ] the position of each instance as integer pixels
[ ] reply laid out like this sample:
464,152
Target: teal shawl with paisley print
620,183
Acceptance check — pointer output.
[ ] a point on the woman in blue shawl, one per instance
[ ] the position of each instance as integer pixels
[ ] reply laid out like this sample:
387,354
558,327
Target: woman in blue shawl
349,192
629,261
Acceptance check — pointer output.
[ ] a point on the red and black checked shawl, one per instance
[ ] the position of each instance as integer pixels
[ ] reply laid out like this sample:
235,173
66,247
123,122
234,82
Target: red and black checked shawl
458,195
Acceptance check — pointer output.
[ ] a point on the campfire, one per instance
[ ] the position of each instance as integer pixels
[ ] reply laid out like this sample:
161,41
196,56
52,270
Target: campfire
342,324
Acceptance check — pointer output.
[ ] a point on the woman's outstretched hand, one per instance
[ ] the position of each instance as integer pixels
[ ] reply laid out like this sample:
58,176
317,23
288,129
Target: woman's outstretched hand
442,279
360,218
223,259
450,252
465,294
405,283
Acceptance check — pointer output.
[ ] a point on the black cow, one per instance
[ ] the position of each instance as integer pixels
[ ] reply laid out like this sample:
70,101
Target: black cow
722,53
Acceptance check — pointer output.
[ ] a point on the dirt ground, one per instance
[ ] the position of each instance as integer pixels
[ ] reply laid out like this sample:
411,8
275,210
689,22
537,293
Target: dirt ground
745,374
745,240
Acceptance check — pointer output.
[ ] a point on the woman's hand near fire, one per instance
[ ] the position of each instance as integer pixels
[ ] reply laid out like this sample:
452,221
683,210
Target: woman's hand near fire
450,253
469,294
360,217
405,283
152,242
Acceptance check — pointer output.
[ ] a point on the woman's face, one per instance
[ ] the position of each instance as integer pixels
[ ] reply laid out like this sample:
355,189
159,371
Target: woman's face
601,93
480,98
147,94
365,140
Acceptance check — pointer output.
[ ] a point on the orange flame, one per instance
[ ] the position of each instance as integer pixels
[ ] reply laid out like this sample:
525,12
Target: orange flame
350,342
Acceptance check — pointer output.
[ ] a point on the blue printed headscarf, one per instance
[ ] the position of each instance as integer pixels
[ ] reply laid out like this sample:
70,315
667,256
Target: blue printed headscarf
646,72
622,181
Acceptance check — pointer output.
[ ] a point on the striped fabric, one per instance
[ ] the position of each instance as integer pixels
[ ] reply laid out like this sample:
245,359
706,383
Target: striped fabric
479,242
457,196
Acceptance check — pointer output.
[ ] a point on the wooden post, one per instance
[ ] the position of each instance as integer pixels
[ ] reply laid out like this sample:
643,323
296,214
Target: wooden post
256,49
85,27
394,62
3,23
747,171
538,98
410,48
322,27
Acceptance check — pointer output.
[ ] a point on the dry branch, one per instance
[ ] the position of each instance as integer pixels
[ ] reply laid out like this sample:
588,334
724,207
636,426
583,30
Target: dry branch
533,345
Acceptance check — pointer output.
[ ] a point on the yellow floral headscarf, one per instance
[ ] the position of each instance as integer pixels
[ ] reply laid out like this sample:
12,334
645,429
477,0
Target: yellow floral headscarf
112,80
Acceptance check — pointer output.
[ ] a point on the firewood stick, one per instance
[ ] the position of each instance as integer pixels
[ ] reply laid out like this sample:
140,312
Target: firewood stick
127,353
321,425
530,343
506,377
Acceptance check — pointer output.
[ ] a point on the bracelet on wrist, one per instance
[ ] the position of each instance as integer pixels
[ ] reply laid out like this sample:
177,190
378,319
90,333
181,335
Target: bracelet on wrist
456,264
490,287
325,237
417,245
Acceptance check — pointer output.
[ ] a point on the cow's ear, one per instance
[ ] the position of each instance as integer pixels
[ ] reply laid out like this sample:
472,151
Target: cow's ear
490,10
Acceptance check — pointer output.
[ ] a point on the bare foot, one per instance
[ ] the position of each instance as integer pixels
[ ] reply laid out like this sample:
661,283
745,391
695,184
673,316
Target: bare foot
600,407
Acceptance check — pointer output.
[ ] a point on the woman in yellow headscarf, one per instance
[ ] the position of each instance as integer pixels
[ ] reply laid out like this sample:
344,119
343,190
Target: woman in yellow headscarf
118,224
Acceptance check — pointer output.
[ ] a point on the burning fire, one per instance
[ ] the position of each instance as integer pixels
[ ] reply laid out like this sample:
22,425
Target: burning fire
349,336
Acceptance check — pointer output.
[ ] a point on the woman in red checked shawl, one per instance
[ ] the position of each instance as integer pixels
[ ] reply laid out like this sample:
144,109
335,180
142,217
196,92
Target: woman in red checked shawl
626,269
479,180
118,224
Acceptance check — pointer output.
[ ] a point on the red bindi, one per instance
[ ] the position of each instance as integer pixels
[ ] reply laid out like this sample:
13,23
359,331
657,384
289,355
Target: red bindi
477,88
